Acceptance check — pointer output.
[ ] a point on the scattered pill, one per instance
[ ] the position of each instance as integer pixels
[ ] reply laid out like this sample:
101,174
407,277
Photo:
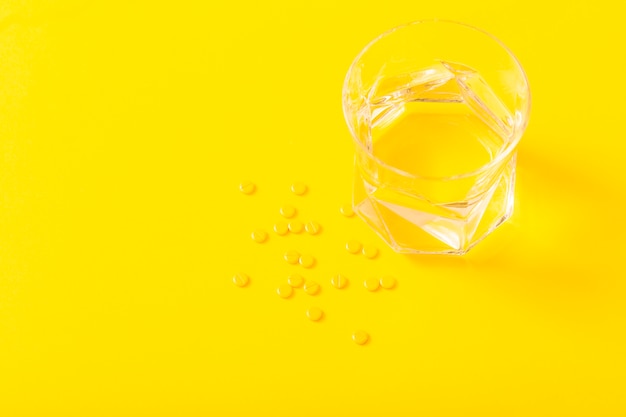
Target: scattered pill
339,281
371,284
353,247
284,291
295,280
311,287
259,236
240,279
312,227
295,226
307,261
292,257
288,211
387,282
281,228
314,314
360,337
346,210
370,251
247,187
299,188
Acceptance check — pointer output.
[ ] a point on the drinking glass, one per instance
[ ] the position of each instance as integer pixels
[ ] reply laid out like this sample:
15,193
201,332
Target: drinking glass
436,110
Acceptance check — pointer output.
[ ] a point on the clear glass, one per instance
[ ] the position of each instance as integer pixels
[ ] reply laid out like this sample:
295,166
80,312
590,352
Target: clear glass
436,110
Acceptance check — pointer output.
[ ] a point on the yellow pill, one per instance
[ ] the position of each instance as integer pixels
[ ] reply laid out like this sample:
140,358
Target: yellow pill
281,228
299,188
360,337
247,187
339,281
353,247
311,287
295,280
295,226
370,251
314,314
307,261
313,228
240,279
259,236
288,211
371,284
346,210
387,282
284,291
292,257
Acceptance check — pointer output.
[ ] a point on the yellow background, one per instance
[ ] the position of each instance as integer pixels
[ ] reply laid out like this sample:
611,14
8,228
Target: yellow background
125,129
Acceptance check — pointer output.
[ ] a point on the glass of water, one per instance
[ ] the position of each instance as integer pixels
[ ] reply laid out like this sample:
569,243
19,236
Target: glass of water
436,110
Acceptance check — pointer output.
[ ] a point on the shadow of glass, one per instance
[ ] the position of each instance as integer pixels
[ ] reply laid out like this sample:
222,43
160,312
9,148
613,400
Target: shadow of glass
566,223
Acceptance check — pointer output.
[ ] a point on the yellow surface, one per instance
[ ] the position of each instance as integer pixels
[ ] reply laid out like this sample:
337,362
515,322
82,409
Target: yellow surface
125,131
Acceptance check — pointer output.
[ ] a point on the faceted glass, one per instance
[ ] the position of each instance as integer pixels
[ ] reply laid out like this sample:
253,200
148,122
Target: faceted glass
436,110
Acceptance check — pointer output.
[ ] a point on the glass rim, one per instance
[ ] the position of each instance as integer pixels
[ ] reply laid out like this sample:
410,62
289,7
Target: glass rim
496,161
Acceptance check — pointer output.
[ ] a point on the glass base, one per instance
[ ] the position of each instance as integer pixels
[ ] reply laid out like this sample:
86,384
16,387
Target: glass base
451,229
